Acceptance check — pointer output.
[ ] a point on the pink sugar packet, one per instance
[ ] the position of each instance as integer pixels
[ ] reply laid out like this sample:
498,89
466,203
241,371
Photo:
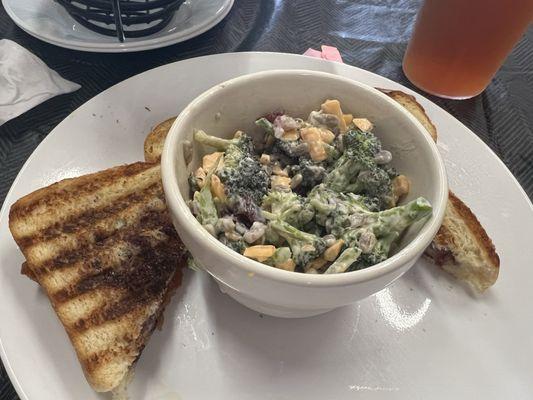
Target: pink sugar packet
313,53
327,53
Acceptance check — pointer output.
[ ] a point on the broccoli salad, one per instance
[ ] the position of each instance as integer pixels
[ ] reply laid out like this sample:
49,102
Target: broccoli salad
313,196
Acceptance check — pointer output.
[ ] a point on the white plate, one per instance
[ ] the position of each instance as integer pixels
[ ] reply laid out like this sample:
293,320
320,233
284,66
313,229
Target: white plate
48,21
424,337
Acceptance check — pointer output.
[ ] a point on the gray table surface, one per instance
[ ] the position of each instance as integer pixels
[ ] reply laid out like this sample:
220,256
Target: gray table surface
370,34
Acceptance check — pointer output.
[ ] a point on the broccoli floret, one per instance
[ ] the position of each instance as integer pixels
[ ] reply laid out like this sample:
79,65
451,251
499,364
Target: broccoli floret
345,261
357,170
312,175
376,184
314,228
380,252
289,152
332,153
240,143
346,216
390,170
346,170
266,125
378,231
335,206
305,247
289,207
358,155
365,143
245,181
235,150
281,255
399,218
351,220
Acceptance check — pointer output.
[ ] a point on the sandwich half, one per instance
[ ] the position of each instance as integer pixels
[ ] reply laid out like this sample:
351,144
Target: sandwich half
461,247
103,248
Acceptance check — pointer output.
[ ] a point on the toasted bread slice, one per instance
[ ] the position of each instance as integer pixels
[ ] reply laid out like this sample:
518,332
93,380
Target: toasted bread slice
103,248
410,104
463,248
153,144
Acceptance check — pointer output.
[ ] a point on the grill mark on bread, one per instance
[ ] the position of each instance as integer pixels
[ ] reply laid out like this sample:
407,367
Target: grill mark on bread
153,268
126,348
142,244
95,360
109,256
93,254
75,223
126,330
127,304
75,196
46,253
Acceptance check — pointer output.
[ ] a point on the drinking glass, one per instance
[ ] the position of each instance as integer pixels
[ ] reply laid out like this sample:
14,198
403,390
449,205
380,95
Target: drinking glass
458,45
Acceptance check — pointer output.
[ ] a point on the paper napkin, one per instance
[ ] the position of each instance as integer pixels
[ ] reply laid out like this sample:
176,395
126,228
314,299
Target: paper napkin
26,81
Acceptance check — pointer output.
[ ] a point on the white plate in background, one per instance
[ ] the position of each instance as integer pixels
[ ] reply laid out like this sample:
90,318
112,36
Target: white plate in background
424,337
49,21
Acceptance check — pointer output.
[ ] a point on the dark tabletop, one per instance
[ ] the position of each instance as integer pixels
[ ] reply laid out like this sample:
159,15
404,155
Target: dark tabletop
371,34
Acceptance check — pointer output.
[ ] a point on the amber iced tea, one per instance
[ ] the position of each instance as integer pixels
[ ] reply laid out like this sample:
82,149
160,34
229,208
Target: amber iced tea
458,45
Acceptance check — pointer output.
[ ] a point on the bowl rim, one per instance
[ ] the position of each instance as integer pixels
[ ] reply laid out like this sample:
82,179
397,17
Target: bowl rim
186,220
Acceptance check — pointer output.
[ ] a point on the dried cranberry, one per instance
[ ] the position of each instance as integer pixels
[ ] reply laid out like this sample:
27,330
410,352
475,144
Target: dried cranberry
271,117
247,211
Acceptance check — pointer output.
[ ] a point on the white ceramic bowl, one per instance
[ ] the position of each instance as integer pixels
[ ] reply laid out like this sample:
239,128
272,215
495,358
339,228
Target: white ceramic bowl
236,104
